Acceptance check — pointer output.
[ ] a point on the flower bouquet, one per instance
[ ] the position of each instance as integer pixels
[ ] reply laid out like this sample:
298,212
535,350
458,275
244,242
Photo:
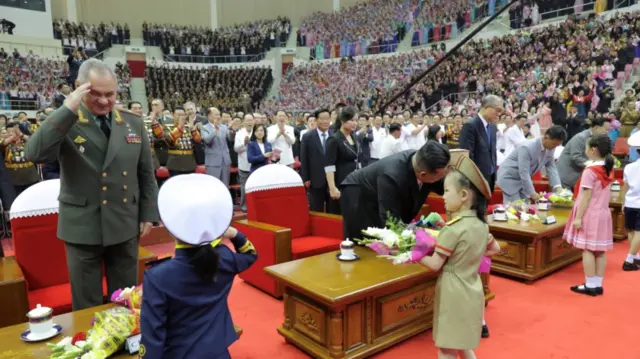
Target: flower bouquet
404,243
563,199
523,211
109,329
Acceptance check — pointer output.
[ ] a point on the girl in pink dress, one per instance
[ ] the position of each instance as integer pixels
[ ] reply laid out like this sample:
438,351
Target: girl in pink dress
590,226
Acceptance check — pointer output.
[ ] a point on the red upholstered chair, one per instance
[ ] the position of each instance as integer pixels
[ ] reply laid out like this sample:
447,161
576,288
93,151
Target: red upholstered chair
618,174
40,263
280,225
621,148
201,169
162,173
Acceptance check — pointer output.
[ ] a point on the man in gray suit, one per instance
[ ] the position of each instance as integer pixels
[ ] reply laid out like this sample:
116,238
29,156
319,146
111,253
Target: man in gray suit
216,150
108,189
572,160
515,172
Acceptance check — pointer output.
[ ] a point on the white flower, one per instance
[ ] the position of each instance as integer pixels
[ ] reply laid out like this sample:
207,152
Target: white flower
402,258
525,217
386,236
65,341
407,234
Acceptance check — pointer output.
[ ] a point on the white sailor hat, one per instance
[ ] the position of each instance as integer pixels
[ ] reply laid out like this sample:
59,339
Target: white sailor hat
195,208
634,140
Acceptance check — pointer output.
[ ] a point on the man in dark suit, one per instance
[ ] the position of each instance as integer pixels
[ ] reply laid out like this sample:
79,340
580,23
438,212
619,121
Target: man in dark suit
63,91
395,186
478,136
313,161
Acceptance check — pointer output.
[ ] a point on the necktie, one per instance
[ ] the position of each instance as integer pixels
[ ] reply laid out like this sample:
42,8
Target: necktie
104,125
488,135
324,140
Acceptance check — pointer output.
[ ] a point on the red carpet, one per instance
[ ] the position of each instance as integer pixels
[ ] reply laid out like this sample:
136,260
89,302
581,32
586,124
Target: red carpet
539,321
543,320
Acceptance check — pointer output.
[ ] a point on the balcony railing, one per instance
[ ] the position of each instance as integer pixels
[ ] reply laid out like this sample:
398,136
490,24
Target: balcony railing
226,59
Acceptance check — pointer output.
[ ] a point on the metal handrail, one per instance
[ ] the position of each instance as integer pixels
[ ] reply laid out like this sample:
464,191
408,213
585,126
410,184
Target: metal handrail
566,8
20,105
447,97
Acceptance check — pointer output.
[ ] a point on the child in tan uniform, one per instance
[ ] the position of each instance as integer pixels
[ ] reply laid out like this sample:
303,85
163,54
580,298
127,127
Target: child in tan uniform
459,300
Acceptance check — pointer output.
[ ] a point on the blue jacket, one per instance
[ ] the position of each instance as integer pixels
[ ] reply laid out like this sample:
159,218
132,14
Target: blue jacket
255,156
184,317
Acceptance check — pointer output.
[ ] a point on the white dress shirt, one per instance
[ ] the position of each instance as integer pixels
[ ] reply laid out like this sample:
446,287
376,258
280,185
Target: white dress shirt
379,134
241,149
513,137
500,140
632,178
280,142
390,145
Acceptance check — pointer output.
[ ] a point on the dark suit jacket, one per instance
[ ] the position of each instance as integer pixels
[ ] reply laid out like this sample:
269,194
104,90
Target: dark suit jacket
255,156
365,149
473,137
58,100
313,160
342,156
390,186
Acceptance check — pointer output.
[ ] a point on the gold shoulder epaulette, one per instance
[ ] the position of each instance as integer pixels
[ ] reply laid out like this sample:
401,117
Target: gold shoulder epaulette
454,220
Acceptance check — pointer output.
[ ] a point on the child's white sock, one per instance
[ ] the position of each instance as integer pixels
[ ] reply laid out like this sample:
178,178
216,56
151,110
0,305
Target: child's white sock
483,322
598,281
630,258
638,256
590,282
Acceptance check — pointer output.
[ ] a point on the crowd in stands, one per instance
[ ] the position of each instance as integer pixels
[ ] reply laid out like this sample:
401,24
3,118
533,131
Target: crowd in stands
371,27
575,61
124,82
91,38
27,81
240,43
439,20
228,89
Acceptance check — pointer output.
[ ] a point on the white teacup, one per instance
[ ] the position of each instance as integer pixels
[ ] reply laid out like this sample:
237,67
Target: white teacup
544,205
347,249
40,320
500,214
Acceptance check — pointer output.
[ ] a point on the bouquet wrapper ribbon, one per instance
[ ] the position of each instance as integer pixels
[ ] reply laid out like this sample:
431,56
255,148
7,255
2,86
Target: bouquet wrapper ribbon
380,248
435,220
424,247
485,265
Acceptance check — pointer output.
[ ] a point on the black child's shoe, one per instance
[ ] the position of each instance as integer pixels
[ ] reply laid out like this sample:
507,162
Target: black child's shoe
629,267
485,331
582,289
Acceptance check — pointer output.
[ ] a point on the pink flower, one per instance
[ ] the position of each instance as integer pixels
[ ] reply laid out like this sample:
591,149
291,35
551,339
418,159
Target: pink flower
424,240
380,248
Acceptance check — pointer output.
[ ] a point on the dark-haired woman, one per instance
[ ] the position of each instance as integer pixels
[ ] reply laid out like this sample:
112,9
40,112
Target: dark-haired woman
258,149
342,153
590,226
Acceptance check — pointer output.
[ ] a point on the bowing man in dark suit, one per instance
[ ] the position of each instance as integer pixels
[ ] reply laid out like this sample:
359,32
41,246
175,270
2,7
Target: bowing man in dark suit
313,161
342,153
478,136
397,185
259,151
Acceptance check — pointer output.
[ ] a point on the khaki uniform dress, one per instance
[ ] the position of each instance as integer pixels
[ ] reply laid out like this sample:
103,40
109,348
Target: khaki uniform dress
459,299
181,156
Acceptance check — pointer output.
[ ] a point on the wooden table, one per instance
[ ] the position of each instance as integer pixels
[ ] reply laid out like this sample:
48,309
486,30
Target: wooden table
531,250
337,309
617,216
12,347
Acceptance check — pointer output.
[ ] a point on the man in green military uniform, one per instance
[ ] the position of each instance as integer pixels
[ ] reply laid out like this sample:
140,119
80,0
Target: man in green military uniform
107,186
22,171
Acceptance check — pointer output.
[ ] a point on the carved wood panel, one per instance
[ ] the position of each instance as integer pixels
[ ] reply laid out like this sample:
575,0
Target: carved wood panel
558,247
510,253
309,320
404,307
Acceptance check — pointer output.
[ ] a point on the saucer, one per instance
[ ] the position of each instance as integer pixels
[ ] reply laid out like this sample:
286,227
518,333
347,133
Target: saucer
355,258
501,220
27,336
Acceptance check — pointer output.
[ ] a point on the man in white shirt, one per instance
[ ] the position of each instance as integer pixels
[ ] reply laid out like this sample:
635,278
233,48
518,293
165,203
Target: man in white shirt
240,146
392,143
500,141
514,135
631,205
415,133
379,134
282,137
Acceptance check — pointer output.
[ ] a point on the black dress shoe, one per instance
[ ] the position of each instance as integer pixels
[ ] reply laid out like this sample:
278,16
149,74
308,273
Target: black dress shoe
629,267
485,331
636,262
582,289
599,290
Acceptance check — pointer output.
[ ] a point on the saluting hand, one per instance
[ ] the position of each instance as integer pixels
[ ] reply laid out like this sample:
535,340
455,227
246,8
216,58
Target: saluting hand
72,102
